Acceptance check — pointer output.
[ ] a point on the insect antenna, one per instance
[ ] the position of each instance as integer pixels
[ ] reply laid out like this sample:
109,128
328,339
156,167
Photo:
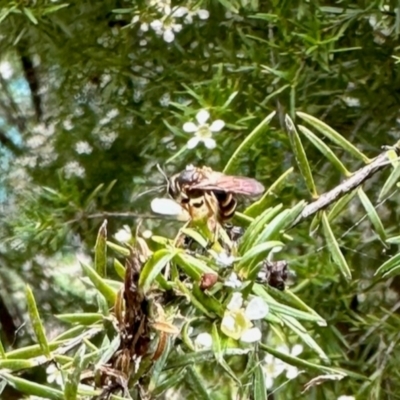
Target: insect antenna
164,175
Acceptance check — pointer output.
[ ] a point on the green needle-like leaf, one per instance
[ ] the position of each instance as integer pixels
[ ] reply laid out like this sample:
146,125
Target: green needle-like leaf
301,158
247,143
101,285
100,251
153,267
330,133
37,323
334,248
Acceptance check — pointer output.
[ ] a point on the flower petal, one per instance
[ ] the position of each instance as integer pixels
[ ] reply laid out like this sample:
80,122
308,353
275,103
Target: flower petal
190,127
203,340
217,125
256,309
178,12
296,350
209,143
156,25
251,335
202,116
291,372
168,35
193,142
235,302
229,328
177,27
203,14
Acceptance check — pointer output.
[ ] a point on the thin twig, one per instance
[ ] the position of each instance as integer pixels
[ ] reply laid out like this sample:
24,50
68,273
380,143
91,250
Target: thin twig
347,186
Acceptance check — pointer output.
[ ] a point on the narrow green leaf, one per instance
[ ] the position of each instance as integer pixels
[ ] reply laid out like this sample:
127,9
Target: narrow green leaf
229,6
372,214
390,182
119,249
388,265
325,150
32,351
196,383
119,269
196,236
219,354
30,16
182,287
192,266
259,251
302,333
259,385
273,229
280,310
32,388
340,205
73,377
2,351
100,251
153,267
259,206
393,240
37,323
171,382
16,365
334,248
247,143
208,301
301,157
256,227
70,333
100,284
53,9
81,318
330,133
297,362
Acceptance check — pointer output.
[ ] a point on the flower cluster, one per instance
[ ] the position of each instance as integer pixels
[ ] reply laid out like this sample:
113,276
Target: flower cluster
170,20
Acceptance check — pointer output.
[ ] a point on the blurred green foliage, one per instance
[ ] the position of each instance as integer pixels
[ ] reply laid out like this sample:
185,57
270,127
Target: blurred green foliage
93,97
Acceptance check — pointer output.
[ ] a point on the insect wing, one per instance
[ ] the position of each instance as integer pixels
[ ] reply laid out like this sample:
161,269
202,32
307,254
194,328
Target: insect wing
231,184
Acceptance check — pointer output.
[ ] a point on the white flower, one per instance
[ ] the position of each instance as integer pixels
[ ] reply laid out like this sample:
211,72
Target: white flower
83,148
203,131
236,322
35,141
202,14
224,260
203,340
344,397
54,375
233,281
272,367
107,139
124,235
166,28
73,168
291,370
112,113
68,125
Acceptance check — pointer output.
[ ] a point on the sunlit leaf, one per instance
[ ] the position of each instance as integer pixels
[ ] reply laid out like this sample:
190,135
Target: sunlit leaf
301,158
37,322
330,133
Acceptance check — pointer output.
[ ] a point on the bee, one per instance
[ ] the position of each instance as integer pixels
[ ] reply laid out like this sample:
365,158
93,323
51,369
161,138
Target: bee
207,193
